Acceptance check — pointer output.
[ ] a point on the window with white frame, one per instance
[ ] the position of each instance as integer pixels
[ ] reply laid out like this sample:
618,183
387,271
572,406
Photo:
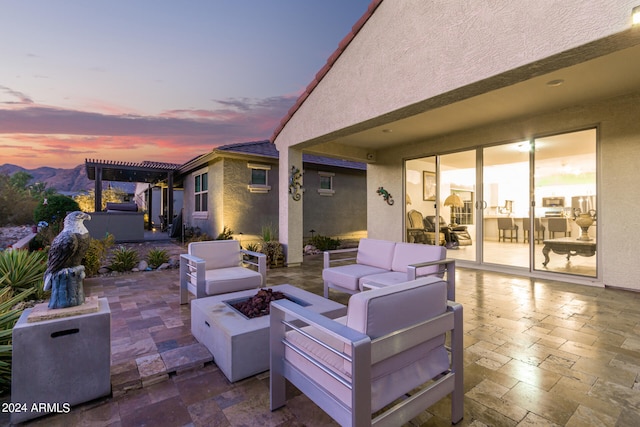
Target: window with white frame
201,192
259,181
325,185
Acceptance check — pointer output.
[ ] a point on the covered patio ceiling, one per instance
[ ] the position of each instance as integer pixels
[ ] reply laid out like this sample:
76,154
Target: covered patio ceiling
598,71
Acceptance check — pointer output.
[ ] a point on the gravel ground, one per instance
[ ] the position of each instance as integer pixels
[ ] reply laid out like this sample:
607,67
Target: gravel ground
10,235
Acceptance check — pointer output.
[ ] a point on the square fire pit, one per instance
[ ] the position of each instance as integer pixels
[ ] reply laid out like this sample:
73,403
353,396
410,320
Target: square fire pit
240,346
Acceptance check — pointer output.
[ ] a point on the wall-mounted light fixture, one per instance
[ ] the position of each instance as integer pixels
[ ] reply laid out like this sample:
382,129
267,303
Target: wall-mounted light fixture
635,15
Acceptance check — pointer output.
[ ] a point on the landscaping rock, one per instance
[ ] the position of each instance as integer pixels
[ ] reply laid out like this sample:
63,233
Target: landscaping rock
142,265
10,235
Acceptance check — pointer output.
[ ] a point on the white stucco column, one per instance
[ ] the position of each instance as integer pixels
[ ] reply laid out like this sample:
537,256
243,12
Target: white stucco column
290,210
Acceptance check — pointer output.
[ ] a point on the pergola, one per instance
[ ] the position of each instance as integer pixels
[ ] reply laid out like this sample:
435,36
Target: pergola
146,172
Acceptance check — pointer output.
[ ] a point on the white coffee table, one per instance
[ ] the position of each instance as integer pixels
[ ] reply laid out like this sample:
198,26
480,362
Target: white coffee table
239,345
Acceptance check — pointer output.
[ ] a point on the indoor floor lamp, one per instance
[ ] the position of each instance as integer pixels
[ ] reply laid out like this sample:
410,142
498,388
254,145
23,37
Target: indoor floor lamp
455,202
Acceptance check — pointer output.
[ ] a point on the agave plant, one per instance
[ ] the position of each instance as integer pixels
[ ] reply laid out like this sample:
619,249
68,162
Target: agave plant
22,269
8,319
157,257
124,259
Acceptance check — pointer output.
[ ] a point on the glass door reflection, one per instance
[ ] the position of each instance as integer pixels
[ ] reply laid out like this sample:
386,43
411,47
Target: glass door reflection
457,197
506,183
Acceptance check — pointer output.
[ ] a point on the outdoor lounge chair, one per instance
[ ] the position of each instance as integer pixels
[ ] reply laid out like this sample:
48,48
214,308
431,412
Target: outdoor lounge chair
391,342
217,267
384,263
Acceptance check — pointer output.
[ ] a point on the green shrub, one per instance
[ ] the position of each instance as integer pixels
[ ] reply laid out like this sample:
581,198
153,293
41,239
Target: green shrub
124,259
253,247
57,207
157,257
96,254
269,233
225,234
202,237
21,269
272,249
323,243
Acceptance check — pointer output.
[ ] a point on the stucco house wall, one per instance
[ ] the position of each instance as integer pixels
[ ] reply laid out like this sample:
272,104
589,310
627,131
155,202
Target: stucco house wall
246,212
231,202
411,53
413,56
342,214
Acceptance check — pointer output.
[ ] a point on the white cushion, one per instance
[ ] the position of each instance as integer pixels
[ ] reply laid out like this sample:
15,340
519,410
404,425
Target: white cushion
381,311
232,279
406,254
377,313
347,276
376,253
217,253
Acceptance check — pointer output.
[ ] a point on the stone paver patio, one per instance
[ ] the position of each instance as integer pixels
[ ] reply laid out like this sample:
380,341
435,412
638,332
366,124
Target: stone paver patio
536,353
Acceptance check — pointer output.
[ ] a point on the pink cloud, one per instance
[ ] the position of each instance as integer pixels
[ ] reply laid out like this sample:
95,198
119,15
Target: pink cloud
49,136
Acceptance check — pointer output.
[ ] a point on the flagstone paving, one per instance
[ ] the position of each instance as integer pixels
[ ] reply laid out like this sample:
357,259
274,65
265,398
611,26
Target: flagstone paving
537,352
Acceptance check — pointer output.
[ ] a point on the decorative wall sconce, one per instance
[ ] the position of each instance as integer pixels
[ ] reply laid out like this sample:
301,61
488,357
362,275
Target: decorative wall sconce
294,183
385,195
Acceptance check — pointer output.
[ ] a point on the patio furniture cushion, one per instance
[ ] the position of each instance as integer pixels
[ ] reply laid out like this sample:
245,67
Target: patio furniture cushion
225,253
382,311
406,254
348,276
375,253
376,313
373,257
217,267
231,279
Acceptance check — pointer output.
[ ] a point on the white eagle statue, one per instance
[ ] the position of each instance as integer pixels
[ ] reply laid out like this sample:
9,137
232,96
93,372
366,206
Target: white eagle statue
66,253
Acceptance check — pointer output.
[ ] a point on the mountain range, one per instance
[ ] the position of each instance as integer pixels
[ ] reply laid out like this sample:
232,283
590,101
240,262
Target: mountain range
64,181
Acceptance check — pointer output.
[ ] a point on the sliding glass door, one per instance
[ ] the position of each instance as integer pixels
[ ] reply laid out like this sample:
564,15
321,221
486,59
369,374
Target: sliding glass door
457,201
536,208
565,203
506,177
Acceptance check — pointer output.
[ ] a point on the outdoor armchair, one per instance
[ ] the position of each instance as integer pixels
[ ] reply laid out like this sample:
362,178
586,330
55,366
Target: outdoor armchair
371,362
219,267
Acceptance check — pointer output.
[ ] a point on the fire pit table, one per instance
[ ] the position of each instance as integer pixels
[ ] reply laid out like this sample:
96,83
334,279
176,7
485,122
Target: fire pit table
240,345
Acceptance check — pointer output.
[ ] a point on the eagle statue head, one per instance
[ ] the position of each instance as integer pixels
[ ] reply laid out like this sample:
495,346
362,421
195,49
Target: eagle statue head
74,222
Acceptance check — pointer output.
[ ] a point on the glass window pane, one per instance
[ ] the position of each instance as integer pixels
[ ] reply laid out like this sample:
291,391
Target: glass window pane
197,186
258,177
205,182
325,182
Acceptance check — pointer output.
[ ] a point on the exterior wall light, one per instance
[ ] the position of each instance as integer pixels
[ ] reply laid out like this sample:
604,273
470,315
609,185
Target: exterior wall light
635,15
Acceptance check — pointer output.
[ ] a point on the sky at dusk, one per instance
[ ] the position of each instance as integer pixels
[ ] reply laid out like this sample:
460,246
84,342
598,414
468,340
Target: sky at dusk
159,80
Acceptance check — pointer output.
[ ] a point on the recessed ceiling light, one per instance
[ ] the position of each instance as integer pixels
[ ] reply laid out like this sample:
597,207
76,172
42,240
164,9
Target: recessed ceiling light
555,83
387,130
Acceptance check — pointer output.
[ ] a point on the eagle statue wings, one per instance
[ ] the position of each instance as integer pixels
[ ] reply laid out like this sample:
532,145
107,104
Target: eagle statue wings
68,247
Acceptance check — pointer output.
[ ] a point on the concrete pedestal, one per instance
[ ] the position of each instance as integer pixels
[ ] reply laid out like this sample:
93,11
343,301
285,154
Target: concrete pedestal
60,363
